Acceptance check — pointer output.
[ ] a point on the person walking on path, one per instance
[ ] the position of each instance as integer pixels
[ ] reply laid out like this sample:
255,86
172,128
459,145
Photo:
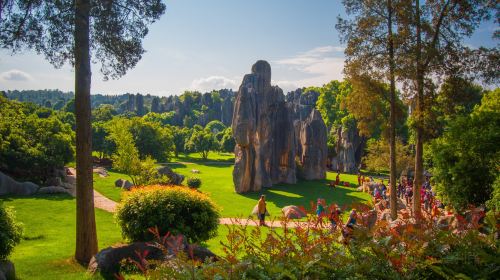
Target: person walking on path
262,210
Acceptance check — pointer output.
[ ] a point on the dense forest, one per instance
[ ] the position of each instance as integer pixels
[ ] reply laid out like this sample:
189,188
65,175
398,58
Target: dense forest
187,109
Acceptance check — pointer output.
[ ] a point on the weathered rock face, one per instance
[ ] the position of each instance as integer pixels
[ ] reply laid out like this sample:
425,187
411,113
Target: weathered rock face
174,178
314,151
302,102
349,150
263,129
9,186
108,261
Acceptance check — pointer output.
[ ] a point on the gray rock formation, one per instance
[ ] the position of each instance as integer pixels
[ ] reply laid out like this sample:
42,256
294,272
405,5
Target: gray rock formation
174,178
108,261
124,184
349,150
302,102
314,151
9,186
227,111
53,190
263,129
7,270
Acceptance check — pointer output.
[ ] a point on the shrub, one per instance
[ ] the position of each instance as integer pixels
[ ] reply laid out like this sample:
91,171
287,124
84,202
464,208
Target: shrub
194,182
10,232
405,251
176,210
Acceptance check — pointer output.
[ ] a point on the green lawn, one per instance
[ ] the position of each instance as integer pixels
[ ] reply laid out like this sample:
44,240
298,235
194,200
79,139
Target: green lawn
49,237
106,186
218,183
212,156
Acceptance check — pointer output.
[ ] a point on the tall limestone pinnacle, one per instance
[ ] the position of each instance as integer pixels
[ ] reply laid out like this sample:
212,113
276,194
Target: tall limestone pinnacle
266,142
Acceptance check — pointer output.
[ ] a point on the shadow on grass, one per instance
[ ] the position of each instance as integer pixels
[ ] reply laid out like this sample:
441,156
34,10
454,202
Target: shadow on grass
305,192
173,164
49,197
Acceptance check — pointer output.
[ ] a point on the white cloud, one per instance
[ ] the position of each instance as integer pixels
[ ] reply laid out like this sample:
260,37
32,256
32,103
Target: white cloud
213,82
321,64
15,75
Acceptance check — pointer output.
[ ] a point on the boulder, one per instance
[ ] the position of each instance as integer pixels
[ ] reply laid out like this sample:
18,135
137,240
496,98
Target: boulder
174,178
7,270
103,173
313,137
293,212
127,185
108,261
264,133
53,181
119,183
52,190
9,186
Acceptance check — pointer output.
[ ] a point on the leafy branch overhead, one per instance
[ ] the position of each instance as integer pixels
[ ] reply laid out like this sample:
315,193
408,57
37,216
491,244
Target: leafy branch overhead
116,30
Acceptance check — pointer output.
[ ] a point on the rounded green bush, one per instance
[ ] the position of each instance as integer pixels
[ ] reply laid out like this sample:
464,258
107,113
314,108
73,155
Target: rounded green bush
10,232
177,210
194,182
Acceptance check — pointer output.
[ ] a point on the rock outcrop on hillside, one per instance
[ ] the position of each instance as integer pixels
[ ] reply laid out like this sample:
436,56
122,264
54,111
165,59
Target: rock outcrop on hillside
265,128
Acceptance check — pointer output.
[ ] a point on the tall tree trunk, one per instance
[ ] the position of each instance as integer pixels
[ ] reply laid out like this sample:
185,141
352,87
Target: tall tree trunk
86,237
392,128
417,183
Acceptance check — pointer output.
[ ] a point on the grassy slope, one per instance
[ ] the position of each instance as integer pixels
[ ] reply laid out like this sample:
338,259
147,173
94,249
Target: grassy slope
49,227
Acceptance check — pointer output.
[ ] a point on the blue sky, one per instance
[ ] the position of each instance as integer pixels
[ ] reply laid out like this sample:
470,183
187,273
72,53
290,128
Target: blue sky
204,45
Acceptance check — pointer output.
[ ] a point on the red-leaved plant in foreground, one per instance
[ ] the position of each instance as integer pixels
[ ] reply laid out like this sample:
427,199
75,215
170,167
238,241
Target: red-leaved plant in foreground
310,249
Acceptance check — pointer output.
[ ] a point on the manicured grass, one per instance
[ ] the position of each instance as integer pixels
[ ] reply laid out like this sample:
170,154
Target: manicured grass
217,181
106,186
49,237
212,157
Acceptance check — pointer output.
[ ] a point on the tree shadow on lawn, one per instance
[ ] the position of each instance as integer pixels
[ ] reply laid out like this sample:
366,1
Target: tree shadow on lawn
305,192
201,160
50,197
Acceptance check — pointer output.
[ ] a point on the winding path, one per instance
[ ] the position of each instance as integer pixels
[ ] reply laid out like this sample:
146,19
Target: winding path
106,204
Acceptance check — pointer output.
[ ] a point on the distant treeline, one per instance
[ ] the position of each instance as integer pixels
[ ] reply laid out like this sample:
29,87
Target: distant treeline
188,109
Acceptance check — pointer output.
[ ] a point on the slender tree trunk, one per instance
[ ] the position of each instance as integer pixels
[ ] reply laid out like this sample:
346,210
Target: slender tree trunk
417,183
86,237
392,128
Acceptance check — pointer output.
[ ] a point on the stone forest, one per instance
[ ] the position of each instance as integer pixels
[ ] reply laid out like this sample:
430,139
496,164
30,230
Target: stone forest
256,139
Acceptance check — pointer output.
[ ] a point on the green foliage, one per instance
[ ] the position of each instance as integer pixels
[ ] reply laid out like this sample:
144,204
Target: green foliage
101,141
10,231
312,252
329,103
151,139
465,159
177,210
166,118
377,156
193,182
30,145
126,157
215,127
179,137
70,106
104,113
201,141
227,142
